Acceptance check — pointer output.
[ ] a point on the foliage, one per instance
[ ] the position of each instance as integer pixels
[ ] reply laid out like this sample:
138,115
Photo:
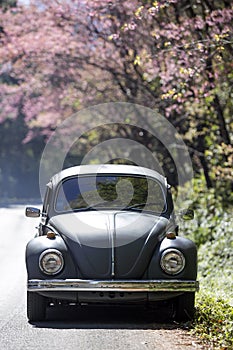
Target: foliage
214,321
178,61
216,255
213,219
212,231
121,153
19,162
5,4
58,57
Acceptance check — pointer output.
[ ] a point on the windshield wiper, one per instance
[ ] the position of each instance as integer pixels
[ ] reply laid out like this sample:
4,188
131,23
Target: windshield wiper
92,206
138,206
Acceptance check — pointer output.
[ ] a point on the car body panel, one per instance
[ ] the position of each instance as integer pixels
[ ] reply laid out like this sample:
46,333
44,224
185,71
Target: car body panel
110,248
187,247
38,245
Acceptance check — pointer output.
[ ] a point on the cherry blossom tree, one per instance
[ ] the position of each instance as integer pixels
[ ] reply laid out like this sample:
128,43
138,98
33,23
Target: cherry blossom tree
178,56
174,56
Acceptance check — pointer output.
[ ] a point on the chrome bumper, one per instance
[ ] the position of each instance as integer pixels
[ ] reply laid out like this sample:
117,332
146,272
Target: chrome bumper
77,285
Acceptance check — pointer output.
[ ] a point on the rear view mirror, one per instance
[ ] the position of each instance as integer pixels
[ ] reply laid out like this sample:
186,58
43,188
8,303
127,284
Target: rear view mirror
32,212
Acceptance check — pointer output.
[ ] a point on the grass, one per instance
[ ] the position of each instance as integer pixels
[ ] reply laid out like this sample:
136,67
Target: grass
213,321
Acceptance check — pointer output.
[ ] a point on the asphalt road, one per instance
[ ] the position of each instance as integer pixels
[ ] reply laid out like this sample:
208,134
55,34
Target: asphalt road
71,327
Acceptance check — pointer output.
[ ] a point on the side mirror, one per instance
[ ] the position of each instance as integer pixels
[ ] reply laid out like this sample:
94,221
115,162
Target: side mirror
32,212
187,214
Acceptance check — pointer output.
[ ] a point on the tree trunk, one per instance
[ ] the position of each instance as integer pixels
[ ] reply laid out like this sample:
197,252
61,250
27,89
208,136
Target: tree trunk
222,123
201,150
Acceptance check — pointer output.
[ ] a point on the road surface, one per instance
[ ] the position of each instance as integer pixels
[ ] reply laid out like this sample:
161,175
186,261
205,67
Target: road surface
74,328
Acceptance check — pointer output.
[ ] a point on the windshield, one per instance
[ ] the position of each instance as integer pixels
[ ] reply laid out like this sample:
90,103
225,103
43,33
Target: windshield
110,192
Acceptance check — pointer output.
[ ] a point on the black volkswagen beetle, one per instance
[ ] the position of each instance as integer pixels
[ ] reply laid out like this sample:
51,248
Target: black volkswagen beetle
108,235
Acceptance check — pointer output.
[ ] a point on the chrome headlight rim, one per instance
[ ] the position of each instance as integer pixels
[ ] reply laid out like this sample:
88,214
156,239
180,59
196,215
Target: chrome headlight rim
55,253
180,265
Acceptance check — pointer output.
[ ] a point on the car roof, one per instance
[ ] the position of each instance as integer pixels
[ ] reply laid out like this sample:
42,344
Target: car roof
106,169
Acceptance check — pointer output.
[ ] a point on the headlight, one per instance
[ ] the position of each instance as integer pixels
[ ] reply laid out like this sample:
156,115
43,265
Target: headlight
51,261
172,261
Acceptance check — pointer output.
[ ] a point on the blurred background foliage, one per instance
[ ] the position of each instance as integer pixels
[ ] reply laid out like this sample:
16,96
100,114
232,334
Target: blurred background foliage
59,57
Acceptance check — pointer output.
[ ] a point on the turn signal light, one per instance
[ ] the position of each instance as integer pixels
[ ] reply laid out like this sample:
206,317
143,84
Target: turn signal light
51,235
171,235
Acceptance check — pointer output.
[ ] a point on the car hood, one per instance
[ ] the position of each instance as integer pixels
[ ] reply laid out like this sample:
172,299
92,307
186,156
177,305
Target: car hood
110,244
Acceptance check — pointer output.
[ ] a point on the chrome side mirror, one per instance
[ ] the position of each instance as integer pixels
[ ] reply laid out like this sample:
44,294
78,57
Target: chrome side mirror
32,212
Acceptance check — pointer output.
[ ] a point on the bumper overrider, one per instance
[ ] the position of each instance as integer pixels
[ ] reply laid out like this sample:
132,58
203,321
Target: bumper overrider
78,285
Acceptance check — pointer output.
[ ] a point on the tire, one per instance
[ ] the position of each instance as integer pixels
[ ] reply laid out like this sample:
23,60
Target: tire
184,307
36,307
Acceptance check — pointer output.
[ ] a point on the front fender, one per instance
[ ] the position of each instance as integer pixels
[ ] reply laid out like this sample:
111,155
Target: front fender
39,244
187,247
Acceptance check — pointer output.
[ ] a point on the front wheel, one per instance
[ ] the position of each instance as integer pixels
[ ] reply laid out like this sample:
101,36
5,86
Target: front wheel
36,306
184,307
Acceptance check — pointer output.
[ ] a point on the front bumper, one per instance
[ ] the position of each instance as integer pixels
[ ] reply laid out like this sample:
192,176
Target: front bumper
77,285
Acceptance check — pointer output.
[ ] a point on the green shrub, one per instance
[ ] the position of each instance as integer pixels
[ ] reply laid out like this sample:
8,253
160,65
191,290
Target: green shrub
214,321
212,231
